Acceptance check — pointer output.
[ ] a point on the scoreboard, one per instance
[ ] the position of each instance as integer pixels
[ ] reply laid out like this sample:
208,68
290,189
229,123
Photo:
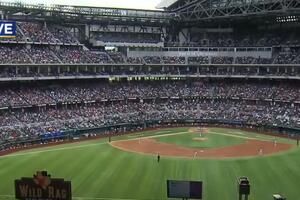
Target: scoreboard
184,189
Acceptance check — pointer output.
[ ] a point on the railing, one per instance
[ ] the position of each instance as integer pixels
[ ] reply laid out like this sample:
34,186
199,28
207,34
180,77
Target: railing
84,10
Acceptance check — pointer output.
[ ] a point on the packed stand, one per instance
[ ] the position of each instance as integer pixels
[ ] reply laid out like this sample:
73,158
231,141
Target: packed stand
173,60
117,57
244,60
198,60
9,54
63,35
37,32
152,59
222,60
31,124
42,55
263,61
285,58
135,60
248,102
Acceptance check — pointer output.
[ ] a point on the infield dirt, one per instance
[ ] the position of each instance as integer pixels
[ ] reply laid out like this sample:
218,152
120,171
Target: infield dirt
251,147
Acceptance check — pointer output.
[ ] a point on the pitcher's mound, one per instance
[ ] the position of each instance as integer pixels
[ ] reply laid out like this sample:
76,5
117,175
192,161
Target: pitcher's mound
200,139
198,130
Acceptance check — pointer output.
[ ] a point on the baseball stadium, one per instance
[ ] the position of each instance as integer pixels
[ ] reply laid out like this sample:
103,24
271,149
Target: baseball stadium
195,99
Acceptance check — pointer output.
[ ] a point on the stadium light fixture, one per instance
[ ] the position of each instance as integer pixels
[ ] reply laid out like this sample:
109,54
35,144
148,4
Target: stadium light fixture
291,18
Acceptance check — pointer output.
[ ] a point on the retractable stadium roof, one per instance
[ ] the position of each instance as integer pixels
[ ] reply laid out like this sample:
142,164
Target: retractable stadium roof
166,3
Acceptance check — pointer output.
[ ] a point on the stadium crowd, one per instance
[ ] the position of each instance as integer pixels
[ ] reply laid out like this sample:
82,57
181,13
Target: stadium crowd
29,111
42,33
82,72
32,111
31,124
43,38
75,54
238,38
36,32
86,92
50,33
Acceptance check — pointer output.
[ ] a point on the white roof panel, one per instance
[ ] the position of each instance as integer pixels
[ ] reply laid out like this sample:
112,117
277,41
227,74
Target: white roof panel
165,3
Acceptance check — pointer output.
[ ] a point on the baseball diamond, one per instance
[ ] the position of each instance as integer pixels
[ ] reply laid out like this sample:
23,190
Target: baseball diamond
100,169
249,147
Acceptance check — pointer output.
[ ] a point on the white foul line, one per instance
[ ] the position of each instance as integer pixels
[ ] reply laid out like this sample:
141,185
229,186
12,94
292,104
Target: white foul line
50,150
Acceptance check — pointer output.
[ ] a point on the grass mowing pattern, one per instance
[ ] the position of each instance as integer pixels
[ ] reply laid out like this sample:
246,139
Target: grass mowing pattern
102,171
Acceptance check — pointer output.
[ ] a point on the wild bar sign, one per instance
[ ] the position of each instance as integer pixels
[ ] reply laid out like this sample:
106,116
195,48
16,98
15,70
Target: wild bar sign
8,29
42,187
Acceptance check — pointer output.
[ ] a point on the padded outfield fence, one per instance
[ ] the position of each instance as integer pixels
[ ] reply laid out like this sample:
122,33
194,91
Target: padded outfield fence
11,197
120,129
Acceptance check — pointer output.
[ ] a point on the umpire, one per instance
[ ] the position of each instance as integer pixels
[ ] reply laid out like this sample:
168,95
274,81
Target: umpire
158,158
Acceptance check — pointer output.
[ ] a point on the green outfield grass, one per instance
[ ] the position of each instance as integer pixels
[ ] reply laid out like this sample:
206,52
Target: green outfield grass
98,170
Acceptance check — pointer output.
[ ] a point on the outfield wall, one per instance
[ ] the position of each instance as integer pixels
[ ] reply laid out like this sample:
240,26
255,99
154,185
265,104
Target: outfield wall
121,129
